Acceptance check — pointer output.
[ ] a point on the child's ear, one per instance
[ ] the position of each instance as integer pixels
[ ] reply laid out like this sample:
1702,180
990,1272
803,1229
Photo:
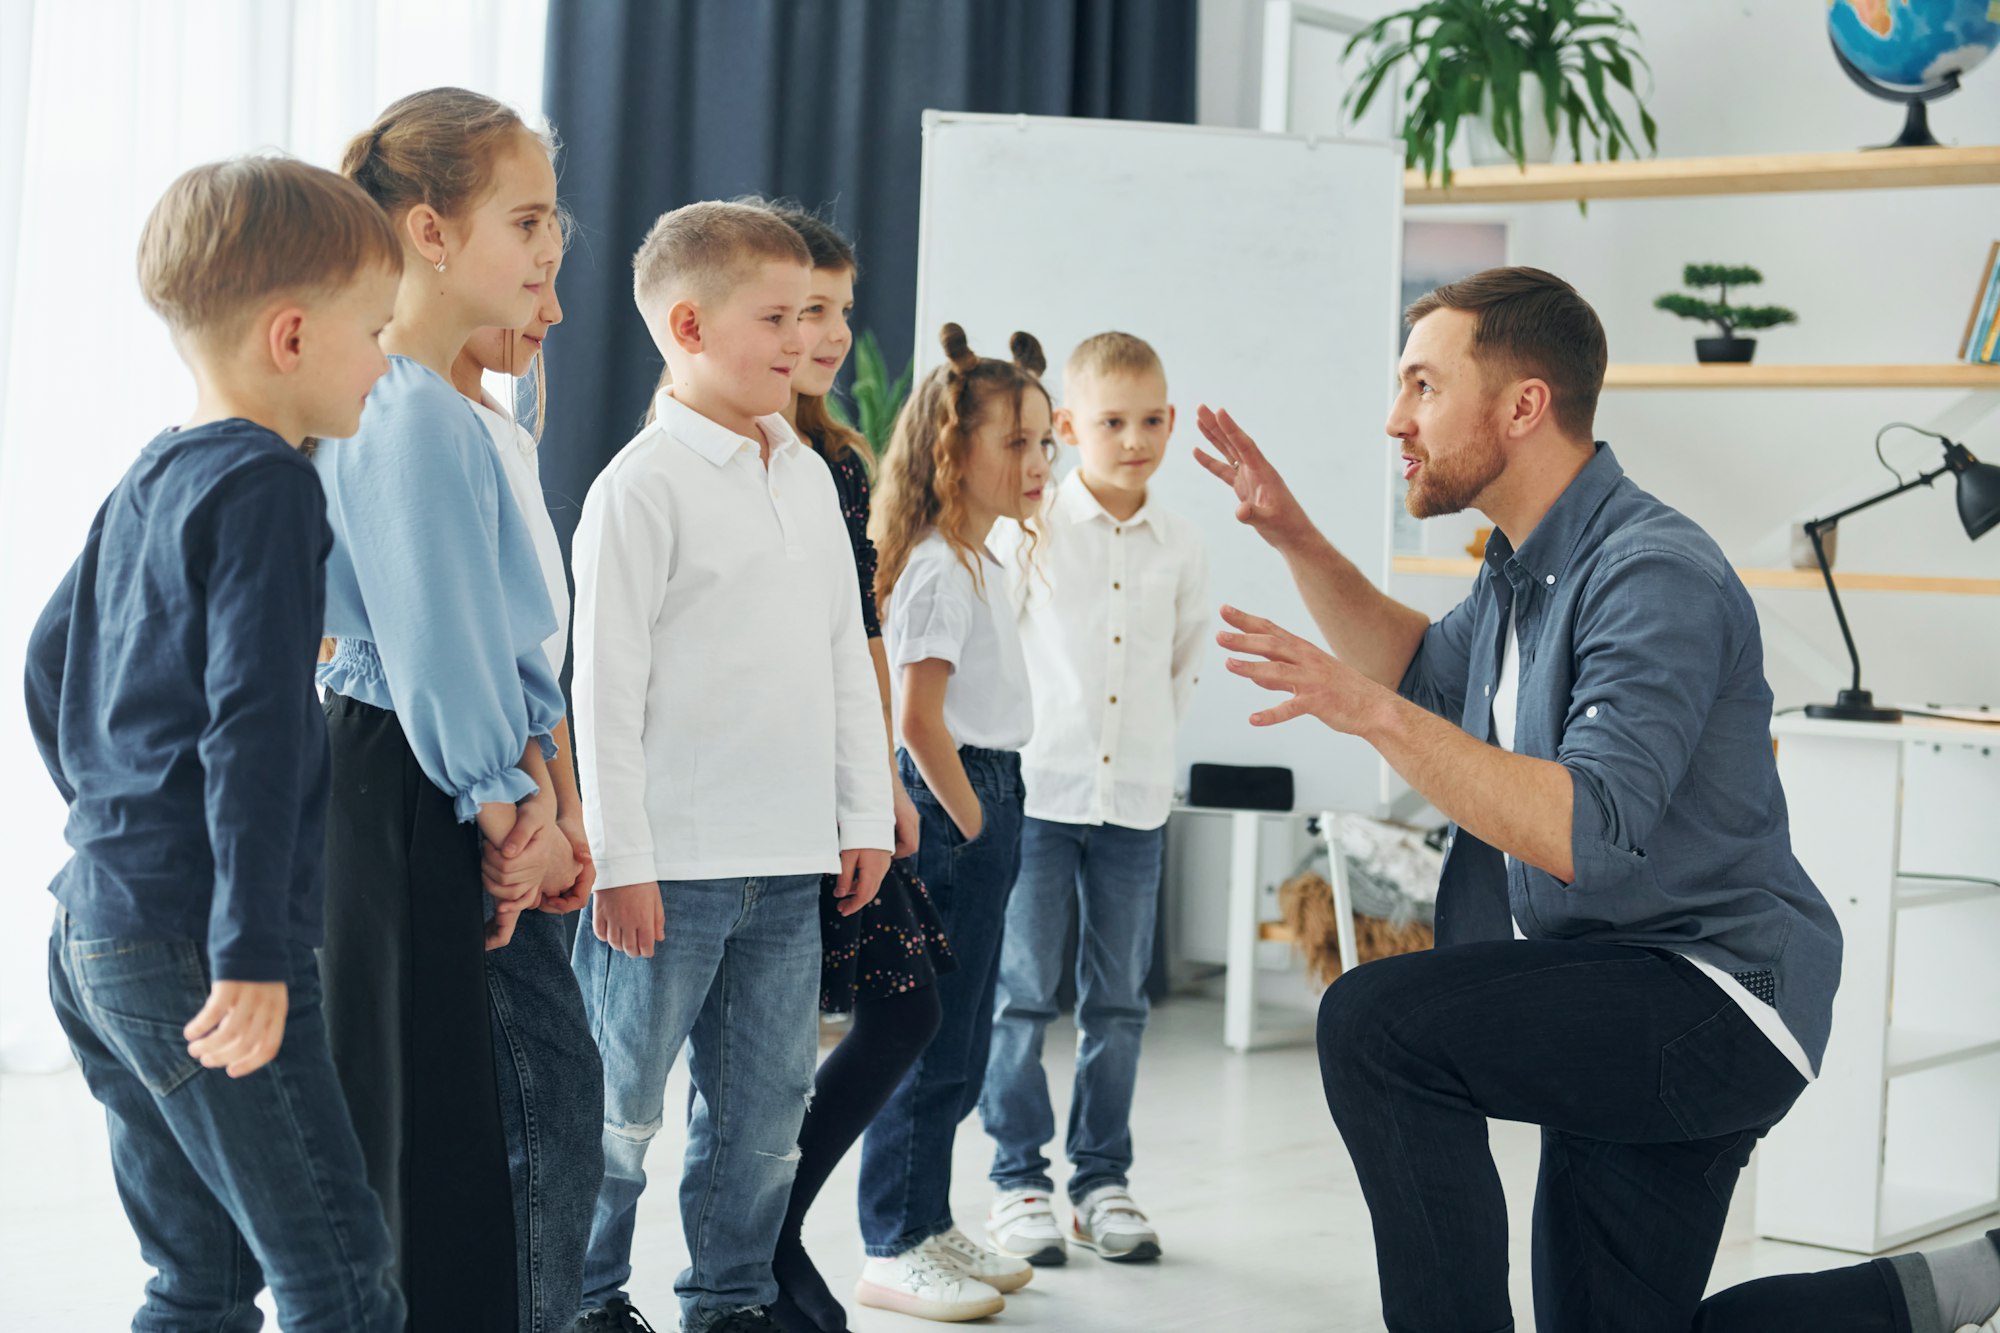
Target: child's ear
1064,422
684,327
284,339
1172,417
424,229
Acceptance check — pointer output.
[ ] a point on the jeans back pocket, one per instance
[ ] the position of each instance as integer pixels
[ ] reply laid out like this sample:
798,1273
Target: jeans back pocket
139,996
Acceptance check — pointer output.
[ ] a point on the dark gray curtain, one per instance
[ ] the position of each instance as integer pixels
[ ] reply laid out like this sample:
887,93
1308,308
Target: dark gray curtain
663,102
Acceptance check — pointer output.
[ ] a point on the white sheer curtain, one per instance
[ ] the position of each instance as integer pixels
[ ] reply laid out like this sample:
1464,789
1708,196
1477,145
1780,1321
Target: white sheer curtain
102,103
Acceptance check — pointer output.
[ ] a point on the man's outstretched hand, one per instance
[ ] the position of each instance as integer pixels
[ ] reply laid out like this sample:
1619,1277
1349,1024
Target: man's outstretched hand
1262,499
1321,685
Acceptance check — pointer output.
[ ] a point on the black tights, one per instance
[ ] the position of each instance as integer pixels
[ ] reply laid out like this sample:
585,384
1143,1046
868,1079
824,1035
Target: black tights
885,1039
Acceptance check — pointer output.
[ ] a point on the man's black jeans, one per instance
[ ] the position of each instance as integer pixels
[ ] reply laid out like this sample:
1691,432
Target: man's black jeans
1651,1087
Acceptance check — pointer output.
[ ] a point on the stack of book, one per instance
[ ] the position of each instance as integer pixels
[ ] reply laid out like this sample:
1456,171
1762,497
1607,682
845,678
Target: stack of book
1981,344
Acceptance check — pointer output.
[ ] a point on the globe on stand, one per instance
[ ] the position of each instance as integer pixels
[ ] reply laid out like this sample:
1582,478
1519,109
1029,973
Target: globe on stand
1912,51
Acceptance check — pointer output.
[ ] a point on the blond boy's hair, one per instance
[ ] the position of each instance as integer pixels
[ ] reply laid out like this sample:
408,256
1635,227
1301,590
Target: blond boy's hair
1111,354
702,251
228,237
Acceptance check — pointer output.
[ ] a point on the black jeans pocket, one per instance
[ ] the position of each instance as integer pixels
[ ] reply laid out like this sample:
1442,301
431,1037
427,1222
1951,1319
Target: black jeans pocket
1724,1076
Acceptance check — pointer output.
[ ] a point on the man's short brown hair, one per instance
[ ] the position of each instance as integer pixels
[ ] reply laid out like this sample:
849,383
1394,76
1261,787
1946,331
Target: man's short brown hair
1531,324
229,236
1111,353
703,250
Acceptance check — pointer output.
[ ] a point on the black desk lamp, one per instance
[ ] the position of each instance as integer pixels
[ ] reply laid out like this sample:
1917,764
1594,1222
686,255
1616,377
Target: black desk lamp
1978,510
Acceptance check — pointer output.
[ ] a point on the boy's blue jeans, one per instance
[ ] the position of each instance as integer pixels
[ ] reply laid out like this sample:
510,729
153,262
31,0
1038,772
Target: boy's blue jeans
738,974
230,1183
1107,879
551,1105
906,1155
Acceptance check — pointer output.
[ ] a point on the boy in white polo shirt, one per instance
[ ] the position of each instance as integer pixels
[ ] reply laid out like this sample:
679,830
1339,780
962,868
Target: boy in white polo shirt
1113,625
732,751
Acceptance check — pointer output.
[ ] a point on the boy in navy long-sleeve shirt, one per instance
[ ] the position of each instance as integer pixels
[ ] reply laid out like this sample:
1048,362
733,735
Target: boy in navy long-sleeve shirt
169,689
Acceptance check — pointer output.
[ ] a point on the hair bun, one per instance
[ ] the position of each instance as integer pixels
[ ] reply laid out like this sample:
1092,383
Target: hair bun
957,348
1027,350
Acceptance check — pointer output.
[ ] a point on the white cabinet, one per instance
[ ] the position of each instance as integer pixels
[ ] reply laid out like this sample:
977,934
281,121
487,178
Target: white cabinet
1899,1138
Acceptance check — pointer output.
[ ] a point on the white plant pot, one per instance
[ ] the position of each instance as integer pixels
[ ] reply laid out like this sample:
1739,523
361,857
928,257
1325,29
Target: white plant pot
1484,149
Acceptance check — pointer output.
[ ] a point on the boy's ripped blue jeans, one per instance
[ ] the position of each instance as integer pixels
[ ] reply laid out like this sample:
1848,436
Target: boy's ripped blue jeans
230,1183
737,981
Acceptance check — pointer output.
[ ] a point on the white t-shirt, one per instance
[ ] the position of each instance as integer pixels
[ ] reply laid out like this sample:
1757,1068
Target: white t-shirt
936,611
1114,616
518,462
1506,698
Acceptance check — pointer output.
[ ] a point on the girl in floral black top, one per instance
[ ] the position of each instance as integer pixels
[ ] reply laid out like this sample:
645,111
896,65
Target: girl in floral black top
879,962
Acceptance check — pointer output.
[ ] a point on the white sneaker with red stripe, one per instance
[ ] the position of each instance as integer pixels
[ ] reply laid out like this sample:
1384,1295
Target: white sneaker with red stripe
1023,1224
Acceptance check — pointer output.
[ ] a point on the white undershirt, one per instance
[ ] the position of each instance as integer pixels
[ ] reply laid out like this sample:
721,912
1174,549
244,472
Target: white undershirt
1506,697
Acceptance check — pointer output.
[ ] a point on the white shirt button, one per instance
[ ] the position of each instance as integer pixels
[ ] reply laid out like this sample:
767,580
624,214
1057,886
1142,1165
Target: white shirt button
1590,711
1487,690
1550,580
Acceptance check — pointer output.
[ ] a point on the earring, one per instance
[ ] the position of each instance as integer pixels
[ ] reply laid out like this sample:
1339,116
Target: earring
440,266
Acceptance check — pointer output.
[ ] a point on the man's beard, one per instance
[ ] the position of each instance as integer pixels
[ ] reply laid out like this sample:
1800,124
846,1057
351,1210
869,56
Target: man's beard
1449,484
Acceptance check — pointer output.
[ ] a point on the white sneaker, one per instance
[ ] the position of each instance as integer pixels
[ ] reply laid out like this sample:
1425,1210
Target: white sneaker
915,1283
1023,1224
1002,1272
1107,1221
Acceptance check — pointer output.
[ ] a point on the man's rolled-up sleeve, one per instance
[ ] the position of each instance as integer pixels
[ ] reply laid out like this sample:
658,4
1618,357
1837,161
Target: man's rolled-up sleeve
1654,641
1435,679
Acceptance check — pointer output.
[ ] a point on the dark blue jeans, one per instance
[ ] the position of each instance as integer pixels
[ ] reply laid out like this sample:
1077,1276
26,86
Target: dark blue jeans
906,1154
552,1108
230,1183
1650,1085
1106,879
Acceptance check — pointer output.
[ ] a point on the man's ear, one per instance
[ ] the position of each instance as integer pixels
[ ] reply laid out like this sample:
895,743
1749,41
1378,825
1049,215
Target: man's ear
1533,405
284,338
1064,422
684,326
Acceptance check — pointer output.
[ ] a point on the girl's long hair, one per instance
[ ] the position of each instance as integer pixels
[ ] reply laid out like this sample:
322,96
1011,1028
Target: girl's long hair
922,481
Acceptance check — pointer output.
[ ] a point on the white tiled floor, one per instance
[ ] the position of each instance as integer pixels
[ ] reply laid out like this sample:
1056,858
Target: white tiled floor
1238,1165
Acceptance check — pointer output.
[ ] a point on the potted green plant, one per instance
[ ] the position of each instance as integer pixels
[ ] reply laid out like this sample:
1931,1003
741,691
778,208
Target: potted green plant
875,397
1719,312
1522,67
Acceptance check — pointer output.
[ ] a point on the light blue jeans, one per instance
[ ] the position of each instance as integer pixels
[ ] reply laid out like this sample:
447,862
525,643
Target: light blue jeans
737,980
1107,879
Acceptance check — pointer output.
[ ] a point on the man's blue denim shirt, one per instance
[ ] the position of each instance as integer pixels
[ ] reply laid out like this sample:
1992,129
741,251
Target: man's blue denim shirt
1642,673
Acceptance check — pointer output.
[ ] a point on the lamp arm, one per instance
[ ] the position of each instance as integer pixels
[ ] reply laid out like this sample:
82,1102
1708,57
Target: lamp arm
1818,527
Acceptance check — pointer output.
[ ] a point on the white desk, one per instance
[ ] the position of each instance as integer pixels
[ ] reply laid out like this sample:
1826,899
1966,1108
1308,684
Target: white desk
1900,1136
1244,1025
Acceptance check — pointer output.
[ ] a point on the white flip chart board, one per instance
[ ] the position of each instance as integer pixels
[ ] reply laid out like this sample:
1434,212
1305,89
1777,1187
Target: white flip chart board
1265,270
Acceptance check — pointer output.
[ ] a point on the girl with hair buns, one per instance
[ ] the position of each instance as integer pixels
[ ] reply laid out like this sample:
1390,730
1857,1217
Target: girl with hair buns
439,702
972,446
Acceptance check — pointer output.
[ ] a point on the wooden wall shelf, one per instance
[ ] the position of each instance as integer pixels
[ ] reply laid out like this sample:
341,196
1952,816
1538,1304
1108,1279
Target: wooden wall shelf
1949,375
1464,568
1673,178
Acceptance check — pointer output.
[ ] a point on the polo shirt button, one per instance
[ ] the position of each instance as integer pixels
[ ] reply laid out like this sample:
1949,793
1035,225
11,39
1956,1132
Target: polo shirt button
1115,585
1117,639
1107,758
1114,698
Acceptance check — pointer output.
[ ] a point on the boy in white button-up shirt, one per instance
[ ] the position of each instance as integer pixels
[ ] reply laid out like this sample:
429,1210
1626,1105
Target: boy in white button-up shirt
1113,624
732,751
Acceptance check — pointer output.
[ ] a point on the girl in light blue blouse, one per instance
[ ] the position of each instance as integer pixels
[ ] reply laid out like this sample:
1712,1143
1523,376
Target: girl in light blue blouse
440,702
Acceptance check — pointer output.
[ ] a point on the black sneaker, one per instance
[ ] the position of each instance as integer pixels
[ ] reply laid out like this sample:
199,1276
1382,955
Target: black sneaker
746,1321
615,1316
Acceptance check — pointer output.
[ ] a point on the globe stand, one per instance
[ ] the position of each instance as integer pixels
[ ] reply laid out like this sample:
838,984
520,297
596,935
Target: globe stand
1916,120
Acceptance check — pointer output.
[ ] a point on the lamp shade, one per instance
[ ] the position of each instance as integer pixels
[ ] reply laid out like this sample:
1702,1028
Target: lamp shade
1978,491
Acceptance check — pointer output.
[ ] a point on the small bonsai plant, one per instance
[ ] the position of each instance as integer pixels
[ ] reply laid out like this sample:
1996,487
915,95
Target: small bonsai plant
1474,58
1729,318
875,397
